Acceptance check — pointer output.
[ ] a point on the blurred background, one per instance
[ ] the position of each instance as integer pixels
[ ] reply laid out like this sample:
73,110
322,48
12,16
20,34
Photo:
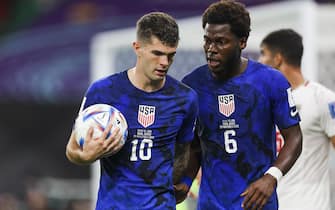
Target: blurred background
46,64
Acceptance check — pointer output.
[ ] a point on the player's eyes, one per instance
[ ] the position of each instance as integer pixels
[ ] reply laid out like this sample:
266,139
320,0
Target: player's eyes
158,53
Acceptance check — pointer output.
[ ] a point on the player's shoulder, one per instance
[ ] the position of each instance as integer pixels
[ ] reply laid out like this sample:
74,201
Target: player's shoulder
109,80
262,70
318,87
264,74
198,71
196,76
320,91
181,87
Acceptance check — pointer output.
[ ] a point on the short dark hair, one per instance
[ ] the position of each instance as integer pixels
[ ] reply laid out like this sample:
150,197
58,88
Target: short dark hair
286,42
228,12
160,25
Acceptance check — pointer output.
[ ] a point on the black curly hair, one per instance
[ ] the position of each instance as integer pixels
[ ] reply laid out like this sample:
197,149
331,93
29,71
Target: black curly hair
160,25
228,12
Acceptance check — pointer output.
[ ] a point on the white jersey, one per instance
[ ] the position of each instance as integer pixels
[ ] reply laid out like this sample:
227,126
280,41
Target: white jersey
307,186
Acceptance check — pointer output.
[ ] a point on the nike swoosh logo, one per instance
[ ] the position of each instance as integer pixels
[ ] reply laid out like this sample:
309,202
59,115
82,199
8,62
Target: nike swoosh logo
294,113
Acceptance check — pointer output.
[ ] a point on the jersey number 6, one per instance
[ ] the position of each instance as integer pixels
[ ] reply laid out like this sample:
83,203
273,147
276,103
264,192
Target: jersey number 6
230,143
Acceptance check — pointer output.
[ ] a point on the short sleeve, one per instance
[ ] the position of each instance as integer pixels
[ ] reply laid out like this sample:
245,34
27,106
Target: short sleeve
285,113
327,106
186,132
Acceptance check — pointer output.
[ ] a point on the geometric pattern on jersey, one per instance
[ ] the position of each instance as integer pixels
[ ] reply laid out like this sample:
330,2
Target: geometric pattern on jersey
238,147
139,176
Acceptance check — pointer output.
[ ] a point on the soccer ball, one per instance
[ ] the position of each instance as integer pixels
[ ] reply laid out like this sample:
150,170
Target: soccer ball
99,116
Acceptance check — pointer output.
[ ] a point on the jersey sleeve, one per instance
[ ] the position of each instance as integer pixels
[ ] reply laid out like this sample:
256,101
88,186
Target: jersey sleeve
94,93
186,132
285,113
88,98
327,106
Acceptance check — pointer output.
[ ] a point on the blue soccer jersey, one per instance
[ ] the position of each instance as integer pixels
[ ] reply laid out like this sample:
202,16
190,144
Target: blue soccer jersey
237,131
139,176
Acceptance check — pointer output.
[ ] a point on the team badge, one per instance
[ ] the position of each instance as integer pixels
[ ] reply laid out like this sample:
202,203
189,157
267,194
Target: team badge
290,97
226,104
332,109
146,115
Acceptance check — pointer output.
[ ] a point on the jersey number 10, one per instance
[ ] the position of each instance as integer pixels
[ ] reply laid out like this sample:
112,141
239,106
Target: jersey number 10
141,151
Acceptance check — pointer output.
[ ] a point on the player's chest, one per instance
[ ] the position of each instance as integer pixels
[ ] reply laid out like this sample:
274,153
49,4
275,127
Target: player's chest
229,104
310,117
150,112
146,115
309,111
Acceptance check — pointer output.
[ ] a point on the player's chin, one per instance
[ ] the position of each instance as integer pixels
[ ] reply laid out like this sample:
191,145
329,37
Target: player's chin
158,78
214,68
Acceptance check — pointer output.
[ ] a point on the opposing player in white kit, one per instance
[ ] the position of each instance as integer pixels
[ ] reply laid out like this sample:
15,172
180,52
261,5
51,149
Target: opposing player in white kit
307,185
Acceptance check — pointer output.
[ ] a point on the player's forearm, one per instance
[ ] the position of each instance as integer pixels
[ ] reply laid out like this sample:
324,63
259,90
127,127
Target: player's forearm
291,150
182,156
193,164
75,157
332,139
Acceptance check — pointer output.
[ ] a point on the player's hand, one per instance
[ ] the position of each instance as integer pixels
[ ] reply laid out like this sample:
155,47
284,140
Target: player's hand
113,143
94,149
180,191
258,193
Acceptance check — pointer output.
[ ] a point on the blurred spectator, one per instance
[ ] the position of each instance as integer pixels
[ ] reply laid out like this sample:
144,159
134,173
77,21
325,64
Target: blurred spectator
9,202
78,205
35,198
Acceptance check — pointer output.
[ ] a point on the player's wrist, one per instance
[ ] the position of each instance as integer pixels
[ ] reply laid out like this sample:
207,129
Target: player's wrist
275,173
187,181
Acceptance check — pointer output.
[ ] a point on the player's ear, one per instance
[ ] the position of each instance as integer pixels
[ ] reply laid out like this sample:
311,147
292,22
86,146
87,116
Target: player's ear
136,47
243,42
278,60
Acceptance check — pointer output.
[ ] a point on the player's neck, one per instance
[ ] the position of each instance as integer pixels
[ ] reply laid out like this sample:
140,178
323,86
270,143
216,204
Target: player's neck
140,81
294,76
233,69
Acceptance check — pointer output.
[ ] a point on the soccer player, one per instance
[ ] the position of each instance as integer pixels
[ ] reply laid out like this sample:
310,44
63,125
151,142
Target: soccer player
240,101
160,112
307,185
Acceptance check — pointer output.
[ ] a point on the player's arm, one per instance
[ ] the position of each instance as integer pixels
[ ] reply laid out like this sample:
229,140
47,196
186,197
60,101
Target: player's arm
93,149
291,149
182,156
74,152
195,158
332,139
183,186
258,193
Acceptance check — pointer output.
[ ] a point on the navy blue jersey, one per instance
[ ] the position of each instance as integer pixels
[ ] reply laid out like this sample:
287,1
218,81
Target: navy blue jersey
237,131
139,176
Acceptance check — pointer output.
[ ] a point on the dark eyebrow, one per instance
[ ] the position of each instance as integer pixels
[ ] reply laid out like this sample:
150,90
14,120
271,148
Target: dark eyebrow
216,37
160,53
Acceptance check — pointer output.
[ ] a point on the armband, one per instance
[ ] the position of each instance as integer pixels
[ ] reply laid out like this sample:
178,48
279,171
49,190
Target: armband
275,172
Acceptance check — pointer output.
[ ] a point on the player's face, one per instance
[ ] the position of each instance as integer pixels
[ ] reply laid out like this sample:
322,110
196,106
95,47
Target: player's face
222,47
266,56
155,59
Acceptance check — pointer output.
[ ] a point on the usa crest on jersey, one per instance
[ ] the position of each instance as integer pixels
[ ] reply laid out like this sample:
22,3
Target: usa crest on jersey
146,115
226,104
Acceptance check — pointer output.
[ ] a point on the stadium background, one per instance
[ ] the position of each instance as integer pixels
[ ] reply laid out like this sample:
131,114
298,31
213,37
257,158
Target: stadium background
46,57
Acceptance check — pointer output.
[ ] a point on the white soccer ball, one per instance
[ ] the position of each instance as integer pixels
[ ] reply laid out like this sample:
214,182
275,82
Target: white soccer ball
99,116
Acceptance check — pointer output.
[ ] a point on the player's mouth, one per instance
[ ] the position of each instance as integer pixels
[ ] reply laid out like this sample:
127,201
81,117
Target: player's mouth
160,72
212,63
